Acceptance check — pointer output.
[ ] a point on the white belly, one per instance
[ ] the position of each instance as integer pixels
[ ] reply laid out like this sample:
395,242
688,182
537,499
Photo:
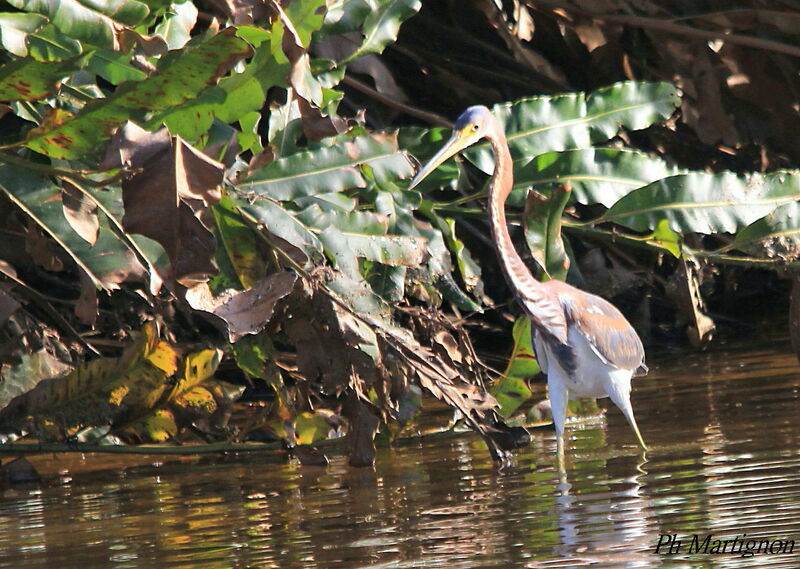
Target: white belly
593,377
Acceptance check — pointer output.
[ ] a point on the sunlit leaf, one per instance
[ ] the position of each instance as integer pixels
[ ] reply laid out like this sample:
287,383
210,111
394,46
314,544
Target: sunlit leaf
239,243
511,389
93,22
114,66
176,27
29,80
179,80
325,170
543,231
577,120
596,175
15,28
310,427
705,203
776,234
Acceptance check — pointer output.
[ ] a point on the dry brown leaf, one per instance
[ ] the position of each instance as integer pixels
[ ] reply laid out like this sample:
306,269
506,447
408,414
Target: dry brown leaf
80,211
684,288
172,174
245,312
149,45
87,306
42,249
317,126
132,145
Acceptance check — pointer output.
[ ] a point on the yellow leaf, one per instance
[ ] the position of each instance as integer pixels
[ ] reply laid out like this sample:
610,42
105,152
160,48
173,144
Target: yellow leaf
157,427
310,427
198,399
164,357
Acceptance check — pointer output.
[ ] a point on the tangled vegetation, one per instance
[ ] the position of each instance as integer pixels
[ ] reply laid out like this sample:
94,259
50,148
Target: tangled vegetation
192,202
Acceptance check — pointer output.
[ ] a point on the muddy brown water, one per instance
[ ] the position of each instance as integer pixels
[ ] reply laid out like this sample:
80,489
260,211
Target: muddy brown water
724,460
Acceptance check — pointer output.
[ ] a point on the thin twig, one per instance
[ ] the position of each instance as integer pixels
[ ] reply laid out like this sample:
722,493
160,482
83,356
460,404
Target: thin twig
427,116
677,29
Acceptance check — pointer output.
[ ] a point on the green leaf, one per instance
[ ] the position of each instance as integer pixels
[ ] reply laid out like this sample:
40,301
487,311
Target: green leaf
389,282
511,389
597,175
468,269
31,34
306,17
238,243
176,26
577,120
325,170
774,233
665,237
283,224
365,222
543,231
30,80
180,79
310,427
233,98
114,66
106,263
15,28
94,21
705,203
382,23
49,44
394,250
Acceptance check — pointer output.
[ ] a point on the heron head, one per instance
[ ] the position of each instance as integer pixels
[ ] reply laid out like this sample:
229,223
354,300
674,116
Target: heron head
472,125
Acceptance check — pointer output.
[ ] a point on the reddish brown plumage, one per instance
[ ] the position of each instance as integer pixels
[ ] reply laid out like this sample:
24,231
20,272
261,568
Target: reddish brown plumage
583,343
554,306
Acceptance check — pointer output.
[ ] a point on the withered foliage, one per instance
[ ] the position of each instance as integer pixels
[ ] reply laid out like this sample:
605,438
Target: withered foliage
205,231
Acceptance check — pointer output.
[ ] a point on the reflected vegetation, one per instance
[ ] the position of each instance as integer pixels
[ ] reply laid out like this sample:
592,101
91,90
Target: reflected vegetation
724,431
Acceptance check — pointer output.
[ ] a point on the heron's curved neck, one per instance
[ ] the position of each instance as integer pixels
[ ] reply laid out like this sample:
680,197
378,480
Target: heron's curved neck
517,274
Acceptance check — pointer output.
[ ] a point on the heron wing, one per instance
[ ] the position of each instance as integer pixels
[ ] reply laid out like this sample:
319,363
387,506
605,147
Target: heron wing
546,312
613,338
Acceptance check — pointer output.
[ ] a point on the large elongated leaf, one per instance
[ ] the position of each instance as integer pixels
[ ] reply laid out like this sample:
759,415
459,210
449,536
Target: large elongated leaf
29,80
234,96
33,35
577,120
511,389
705,203
14,30
95,22
281,223
543,231
597,175
180,80
325,170
346,248
776,234
109,261
365,222
98,392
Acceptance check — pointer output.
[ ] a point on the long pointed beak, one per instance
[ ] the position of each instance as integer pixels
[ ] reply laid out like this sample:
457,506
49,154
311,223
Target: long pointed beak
453,146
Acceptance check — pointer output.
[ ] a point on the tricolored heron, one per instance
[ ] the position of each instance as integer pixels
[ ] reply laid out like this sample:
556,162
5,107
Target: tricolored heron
583,343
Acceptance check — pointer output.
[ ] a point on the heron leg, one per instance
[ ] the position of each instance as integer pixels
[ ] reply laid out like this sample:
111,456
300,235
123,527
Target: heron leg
558,394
